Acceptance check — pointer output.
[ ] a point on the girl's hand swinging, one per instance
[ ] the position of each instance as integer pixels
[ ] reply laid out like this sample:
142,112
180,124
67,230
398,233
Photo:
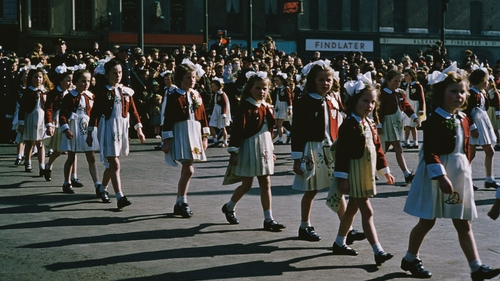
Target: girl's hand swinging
20,129
296,167
140,135
49,131
69,134
344,186
390,178
165,146
204,141
474,133
445,184
89,140
233,159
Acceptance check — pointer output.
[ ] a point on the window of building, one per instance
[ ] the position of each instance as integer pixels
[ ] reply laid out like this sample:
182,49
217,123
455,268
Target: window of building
177,16
476,17
1,8
399,15
334,15
83,15
40,14
129,15
271,12
313,14
433,17
355,11
234,22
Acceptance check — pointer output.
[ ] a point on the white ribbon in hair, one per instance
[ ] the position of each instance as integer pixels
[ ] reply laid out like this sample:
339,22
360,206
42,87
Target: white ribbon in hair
282,74
298,77
309,66
336,75
366,78
60,69
39,65
476,67
354,87
492,78
218,79
436,77
453,67
260,74
99,69
199,70
165,72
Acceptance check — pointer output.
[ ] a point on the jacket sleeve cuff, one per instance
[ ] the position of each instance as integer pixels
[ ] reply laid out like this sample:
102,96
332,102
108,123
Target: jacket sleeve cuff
206,131
49,125
384,171
20,123
379,126
290,107
167,135
296,155
233,149
473,127
224,115
137,126
413,116
435,170
340,175
497,194
89,128
9,116
66,126
497,113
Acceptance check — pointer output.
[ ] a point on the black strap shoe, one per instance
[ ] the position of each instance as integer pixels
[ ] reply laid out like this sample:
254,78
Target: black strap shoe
308,234
48,174
416,268
229,215
484,272
354,235
123,202
409,178
76,183
273,226
491,185
67,188
343,250
382,256
183,210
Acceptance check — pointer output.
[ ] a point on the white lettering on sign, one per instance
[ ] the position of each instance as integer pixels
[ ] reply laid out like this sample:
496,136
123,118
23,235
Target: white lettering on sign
453,42
338,45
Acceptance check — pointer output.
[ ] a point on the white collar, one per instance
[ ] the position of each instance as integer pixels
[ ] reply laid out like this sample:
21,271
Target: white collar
180,91
389,91
37,89
112,88
316,96
475,89
256,103
413,83
445,114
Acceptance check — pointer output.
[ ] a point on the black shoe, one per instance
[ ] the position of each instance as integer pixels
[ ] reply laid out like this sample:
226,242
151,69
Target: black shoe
288,139
484,272
497,147
382,256
123,202
27,168
76,183
273,226
67,188
354,235
416,268
158,147
278,142
229,215
41,173
491,185
475,187
409,178
343,251
48,174
183,210
308,234
17,162
103,195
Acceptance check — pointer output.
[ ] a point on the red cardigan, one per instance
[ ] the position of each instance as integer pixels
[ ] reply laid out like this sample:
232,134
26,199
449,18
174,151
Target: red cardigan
389,102
70,104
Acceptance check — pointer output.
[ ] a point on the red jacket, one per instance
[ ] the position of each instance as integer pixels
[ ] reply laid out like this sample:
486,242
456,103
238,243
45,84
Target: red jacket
29,100
389,102
53,104
70,104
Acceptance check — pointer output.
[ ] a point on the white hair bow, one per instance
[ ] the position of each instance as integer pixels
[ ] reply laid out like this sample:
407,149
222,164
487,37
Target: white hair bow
100,66
60,69
354,87
218,79
199,70
436,77
453,67
366,78
476,67
336,75
298,77
260,74
309,66
165,72
283,75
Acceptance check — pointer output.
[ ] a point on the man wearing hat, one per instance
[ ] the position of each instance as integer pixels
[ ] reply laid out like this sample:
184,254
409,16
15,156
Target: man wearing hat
95,50
123,56
339,64
61,55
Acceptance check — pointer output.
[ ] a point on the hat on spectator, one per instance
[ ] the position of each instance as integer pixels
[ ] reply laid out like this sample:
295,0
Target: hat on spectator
124,49
340,57
59,41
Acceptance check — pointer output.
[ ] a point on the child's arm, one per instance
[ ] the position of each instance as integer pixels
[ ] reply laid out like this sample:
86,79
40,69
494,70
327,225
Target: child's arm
445,184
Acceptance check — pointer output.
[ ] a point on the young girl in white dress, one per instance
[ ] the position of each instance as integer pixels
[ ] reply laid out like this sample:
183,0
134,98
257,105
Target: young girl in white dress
221,114
282,100
359,155
31,116
74,120
113,109
22,78
185,131
251,148
442,187
482,132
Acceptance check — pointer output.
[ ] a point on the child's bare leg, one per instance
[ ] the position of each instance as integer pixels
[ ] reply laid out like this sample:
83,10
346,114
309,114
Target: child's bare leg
187,172
466,239
495,210
366,211
306,205
418,234
347,218
114,173
399,155
41,153
68,165
265,192
246,185
488,159
92,166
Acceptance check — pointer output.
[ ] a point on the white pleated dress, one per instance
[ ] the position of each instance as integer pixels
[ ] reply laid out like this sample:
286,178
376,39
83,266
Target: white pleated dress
113,133
34,124
217,120
255,156
425,199
281,107
78,124
482,121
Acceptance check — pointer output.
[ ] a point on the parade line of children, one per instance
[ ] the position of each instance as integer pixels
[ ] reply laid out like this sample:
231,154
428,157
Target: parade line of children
333,146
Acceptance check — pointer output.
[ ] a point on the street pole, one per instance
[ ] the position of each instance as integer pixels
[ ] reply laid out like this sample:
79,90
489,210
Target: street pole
206,21
141,25
250,28
444,7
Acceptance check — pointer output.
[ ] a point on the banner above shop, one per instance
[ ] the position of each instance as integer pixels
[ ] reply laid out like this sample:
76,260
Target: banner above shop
339,45
452,42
